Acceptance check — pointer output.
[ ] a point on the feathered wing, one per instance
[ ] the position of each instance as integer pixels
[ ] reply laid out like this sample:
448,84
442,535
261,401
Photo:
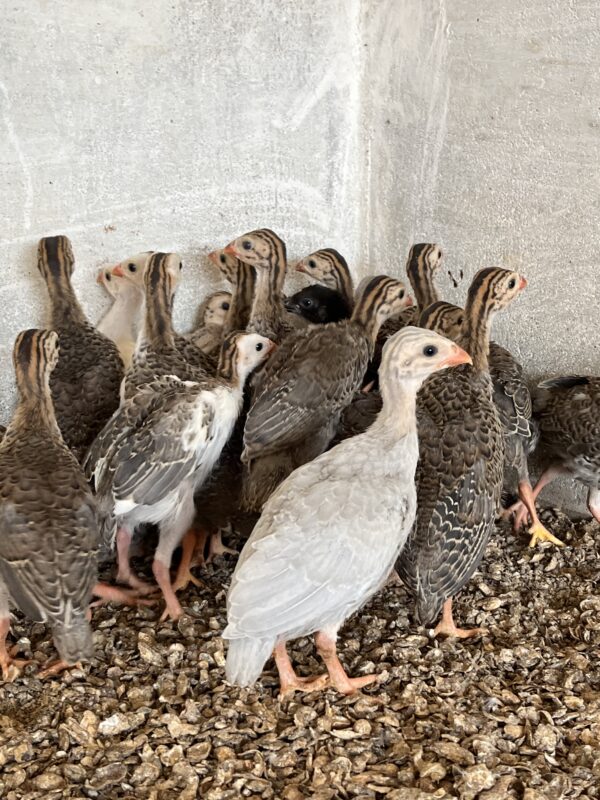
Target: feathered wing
50,577
459,480
313,376
513,402
568,410
310,552
84,384
153,442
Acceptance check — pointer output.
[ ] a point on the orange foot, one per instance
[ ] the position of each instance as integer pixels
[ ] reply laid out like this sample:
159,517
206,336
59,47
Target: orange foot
289,682
296,684
114,594
217,548
337,674
56,667
12,667
173,610
446,626
192,555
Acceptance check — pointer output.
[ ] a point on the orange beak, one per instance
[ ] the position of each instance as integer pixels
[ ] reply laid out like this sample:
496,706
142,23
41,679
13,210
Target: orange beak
271,346
300,267
99,278
214,257
457,356
523,283
118,271
408,301
230,250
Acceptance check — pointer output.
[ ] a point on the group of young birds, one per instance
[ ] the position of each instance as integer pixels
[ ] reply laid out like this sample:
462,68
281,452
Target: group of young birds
369,432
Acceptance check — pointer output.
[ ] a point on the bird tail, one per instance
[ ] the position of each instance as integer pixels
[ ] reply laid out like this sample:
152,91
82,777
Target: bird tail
261,477
544,390
246,659
74,642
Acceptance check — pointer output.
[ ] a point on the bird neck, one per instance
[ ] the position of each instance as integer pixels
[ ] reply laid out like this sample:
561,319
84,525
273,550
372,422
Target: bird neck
35,408
475,334
420,276
344,285
267,306
158,327
366,316
64,305
227,368
121,319
397,417
241,299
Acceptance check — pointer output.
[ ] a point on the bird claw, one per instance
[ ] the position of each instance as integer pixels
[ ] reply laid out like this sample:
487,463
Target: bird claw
56,667
172,611
182,582
540,534
352,685
518,513
13,667
116,594
449,629
298,684
217,548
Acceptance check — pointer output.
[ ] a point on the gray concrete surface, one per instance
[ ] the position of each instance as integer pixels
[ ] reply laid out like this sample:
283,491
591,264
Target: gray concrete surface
360,124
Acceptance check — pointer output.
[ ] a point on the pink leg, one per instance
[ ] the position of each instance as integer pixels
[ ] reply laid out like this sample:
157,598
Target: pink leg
125,573
594,503
337,674
163,578
520,509
114,594
288,680
447,627
11,667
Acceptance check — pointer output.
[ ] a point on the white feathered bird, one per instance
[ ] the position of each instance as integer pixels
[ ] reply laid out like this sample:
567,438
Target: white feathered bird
158,449
122,321
330,534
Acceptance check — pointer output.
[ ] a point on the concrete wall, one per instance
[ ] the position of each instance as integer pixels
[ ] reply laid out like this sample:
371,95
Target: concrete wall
361,124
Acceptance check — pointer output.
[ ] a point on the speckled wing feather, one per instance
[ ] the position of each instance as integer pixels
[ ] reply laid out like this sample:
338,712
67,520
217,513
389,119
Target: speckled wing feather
84,384
358,415
48,555
195,357
459,480
513,401
145,451
568,411
185,361
312,377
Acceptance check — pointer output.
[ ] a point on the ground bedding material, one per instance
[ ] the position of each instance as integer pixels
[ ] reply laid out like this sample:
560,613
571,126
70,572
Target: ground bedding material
515,714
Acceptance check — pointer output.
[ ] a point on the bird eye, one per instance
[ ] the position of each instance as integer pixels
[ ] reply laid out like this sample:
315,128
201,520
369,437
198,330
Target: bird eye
222,258
247,245
401,294
225,306
307,302
429,351
259,347
312,263
512,283
108,276
180,265
131,267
